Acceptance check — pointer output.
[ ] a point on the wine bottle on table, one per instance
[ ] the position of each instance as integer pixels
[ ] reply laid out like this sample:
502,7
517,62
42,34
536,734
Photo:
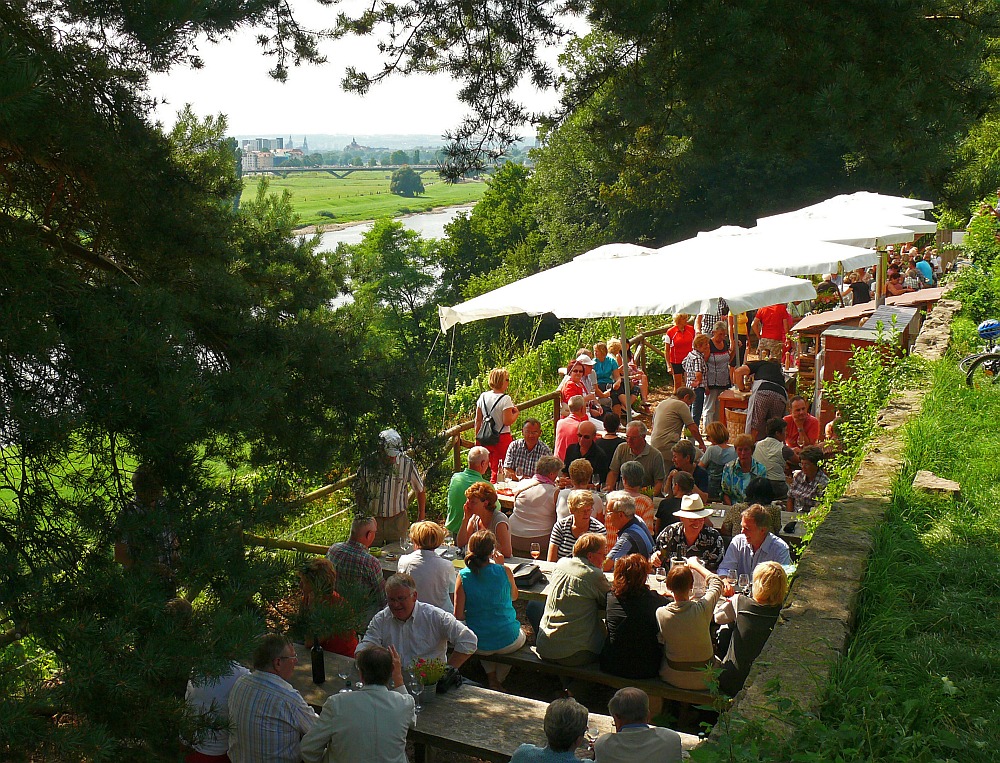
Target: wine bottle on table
318,663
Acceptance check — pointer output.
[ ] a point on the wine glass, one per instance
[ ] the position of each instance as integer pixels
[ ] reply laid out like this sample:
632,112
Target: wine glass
744,583
536,550
518,473
343,674
416,689
661,577
591,736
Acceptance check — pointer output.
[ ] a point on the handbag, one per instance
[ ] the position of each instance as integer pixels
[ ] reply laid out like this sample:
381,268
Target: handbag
527,574
489,432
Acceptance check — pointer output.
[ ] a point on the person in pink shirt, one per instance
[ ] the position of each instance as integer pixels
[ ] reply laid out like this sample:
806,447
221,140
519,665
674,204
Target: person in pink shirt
566,428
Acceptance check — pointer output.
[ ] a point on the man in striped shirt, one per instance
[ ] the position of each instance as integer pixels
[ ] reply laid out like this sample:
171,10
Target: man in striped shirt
268,717
385,489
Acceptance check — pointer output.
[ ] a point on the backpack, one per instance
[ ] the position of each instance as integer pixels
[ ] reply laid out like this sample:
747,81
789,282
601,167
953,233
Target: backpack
489,432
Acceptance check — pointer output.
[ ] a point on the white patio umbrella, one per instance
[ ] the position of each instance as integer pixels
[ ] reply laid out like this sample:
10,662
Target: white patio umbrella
648,284
766,250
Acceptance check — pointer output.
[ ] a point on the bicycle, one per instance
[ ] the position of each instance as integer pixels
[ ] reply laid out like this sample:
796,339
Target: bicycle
983,368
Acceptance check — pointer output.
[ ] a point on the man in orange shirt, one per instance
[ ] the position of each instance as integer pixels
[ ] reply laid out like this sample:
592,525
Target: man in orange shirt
771,324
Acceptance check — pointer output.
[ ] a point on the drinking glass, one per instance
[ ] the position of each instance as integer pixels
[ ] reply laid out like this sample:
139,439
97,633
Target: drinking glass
518,473
536,550
591,736
744,583
416,689
661,577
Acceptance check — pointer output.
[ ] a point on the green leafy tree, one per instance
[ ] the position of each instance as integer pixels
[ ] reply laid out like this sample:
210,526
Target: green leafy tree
406,182
393,277
399,157
144,321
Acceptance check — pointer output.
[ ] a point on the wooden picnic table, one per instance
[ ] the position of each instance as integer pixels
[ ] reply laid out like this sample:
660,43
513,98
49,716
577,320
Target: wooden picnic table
469,719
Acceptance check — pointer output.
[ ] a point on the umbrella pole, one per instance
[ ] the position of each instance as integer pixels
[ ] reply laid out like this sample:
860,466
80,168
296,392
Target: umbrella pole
625,379
880,268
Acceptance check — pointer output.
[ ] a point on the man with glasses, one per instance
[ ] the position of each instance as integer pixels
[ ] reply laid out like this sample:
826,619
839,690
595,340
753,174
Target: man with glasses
523,454
416,629
584,447
268,718
635,448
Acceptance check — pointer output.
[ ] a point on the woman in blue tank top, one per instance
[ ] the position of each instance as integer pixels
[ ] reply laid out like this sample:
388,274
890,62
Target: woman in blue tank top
484,598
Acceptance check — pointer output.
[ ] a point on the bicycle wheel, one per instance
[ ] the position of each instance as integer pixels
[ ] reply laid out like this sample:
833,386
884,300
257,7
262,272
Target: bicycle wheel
984,371
965,363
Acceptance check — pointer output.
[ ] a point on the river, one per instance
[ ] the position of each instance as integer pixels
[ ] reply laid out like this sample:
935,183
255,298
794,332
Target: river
427,224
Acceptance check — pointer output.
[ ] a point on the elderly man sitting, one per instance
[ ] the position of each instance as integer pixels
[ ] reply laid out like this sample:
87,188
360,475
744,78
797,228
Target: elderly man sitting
755,544
566,428
635,448
479,464
416,629
636,740
523,454
368,724
633,535
586,447
267,717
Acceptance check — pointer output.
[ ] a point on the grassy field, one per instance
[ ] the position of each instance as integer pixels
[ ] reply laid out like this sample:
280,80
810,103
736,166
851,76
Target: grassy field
321,199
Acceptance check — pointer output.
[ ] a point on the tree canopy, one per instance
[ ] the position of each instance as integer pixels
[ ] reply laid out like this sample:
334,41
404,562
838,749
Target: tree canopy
144,321
406,182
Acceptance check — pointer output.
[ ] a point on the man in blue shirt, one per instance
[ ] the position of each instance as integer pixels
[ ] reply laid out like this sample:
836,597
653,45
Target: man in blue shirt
633,535
926,270
755,544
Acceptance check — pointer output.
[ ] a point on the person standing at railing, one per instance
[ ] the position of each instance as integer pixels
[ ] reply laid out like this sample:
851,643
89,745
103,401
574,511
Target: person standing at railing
385,489
497,405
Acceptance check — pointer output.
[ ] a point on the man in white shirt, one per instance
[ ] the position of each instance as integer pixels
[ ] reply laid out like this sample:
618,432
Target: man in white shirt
417,629
367,724
268,718
635,739
210,697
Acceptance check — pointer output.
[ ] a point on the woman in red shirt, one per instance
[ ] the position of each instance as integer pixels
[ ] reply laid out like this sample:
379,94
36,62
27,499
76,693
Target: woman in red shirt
318,586
678,343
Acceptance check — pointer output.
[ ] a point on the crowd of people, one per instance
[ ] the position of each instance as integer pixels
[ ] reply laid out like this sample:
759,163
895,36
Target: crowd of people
598,501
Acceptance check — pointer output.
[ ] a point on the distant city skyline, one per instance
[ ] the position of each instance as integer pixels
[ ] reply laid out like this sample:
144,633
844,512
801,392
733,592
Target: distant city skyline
234,82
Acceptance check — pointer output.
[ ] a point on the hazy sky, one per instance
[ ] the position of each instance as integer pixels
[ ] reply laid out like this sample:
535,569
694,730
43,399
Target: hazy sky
234,82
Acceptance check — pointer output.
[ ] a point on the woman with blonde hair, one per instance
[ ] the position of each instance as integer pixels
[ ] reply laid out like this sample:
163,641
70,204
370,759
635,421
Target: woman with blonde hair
581,472
751,621
497,405
566,531
435,576
485,598
569,629
632,649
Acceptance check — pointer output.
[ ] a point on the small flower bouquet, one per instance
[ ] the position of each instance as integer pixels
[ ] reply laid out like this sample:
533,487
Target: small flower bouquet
428,672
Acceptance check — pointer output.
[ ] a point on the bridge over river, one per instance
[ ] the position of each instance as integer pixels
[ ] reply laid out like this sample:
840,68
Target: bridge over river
342,171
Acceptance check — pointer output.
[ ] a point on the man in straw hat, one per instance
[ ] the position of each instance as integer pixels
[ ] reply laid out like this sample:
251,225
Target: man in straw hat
693,535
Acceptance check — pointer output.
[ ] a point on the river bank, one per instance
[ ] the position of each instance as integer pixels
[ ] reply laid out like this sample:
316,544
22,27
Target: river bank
311,230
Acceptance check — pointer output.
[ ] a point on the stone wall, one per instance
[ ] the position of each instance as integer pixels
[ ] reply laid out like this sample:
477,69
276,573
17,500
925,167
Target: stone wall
819,612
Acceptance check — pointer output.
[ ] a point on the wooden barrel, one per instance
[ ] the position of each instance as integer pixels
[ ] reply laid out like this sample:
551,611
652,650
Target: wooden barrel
736,421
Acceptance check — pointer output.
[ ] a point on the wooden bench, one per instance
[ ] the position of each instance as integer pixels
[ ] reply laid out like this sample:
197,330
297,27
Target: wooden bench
468,720
658,690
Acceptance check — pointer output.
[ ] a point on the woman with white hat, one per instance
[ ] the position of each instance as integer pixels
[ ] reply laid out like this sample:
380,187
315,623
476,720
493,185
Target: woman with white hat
692,536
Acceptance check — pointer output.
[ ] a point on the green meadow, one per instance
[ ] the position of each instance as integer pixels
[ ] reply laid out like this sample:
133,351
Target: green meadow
321,199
